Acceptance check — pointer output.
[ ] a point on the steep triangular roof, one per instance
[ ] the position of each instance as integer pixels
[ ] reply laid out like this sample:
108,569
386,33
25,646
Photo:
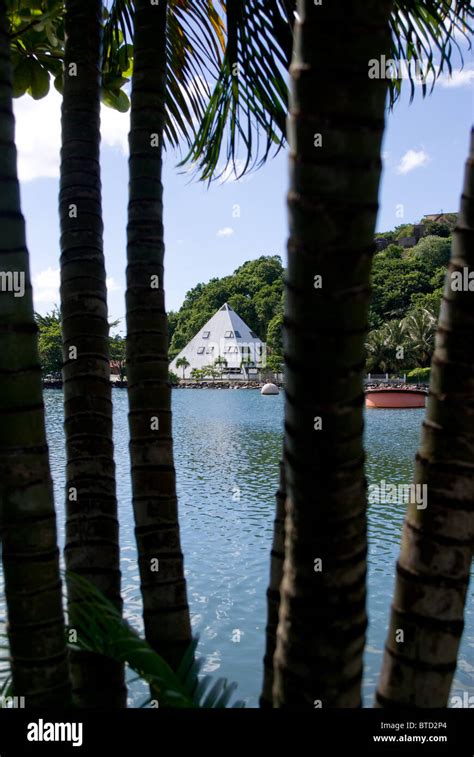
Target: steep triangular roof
224,335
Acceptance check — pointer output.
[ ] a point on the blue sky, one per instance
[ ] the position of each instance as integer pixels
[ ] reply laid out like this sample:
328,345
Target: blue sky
425,148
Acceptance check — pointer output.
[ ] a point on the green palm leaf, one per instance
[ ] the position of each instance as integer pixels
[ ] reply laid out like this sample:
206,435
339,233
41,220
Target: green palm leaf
100,629
259,39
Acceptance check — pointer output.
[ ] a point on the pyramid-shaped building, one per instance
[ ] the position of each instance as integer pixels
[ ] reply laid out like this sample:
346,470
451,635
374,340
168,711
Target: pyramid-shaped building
225,335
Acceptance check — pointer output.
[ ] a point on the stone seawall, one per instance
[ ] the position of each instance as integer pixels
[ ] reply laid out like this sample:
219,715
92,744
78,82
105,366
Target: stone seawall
185,385
222,385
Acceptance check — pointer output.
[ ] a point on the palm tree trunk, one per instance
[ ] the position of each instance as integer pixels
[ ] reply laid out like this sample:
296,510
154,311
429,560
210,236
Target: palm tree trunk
163,586
92,537
27,518
333,208
433,570
273,591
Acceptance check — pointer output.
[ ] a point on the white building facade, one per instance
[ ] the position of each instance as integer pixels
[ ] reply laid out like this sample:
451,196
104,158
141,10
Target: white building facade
225,336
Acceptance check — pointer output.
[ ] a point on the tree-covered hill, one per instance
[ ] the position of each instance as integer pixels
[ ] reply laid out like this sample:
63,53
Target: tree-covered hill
254,291
406,281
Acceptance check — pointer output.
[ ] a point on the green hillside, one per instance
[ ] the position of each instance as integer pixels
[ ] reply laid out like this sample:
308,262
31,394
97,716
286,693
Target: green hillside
254,291
407,286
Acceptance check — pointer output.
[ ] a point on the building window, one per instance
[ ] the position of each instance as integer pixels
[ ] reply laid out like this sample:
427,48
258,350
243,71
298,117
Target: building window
237,334
252,333
206,334
228,335
200,351
209,350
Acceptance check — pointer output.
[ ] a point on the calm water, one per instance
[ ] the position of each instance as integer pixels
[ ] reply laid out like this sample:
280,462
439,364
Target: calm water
227,446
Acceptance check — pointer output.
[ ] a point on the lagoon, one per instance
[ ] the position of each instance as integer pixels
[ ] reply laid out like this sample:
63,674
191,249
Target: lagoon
227,447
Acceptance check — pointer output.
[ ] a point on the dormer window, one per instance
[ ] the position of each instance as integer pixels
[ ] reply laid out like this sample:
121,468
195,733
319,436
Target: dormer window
228,335
209,350
200,351
206,334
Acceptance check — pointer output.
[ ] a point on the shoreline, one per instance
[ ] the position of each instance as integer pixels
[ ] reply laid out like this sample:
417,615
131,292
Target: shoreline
190,385
246,385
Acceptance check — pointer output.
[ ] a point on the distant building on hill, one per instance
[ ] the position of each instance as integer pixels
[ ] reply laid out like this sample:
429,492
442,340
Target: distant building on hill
228,338
441,218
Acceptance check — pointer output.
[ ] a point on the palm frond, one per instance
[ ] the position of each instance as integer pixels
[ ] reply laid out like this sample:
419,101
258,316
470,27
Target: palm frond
427,35
101,629
195,47
250,97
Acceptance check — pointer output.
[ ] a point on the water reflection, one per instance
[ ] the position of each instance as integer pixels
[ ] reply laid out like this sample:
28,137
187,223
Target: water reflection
227,447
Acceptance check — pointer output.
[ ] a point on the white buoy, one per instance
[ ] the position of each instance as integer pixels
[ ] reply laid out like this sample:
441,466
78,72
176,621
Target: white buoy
270,389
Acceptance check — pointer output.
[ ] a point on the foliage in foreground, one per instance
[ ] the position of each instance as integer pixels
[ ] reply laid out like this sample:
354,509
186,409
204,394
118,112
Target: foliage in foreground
100,629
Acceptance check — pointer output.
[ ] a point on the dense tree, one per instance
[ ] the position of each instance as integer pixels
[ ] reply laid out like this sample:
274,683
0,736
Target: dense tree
50,343
420,328
394,282
275,334
253,291
432,252
401,345
118,353
433,228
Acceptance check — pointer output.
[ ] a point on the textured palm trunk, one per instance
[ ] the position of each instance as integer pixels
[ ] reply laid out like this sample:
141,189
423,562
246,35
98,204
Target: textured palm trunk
163,586
333,207
273,592
27,518
92,538
436,550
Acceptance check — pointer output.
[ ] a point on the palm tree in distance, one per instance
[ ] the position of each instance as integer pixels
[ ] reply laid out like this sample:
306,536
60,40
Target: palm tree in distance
436,551
183,363
221,364
36,631
420,326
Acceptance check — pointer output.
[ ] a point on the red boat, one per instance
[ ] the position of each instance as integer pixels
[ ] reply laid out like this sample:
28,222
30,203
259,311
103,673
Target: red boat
395,398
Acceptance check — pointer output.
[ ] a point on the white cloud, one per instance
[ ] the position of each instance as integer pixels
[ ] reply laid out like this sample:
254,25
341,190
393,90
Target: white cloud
411,160
464,78
232,171
114,128
38,134
112,285
225,232
46,286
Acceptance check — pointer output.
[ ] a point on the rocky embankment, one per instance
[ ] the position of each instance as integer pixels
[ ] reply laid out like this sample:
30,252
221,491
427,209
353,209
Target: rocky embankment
182,385
401,385
221,385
